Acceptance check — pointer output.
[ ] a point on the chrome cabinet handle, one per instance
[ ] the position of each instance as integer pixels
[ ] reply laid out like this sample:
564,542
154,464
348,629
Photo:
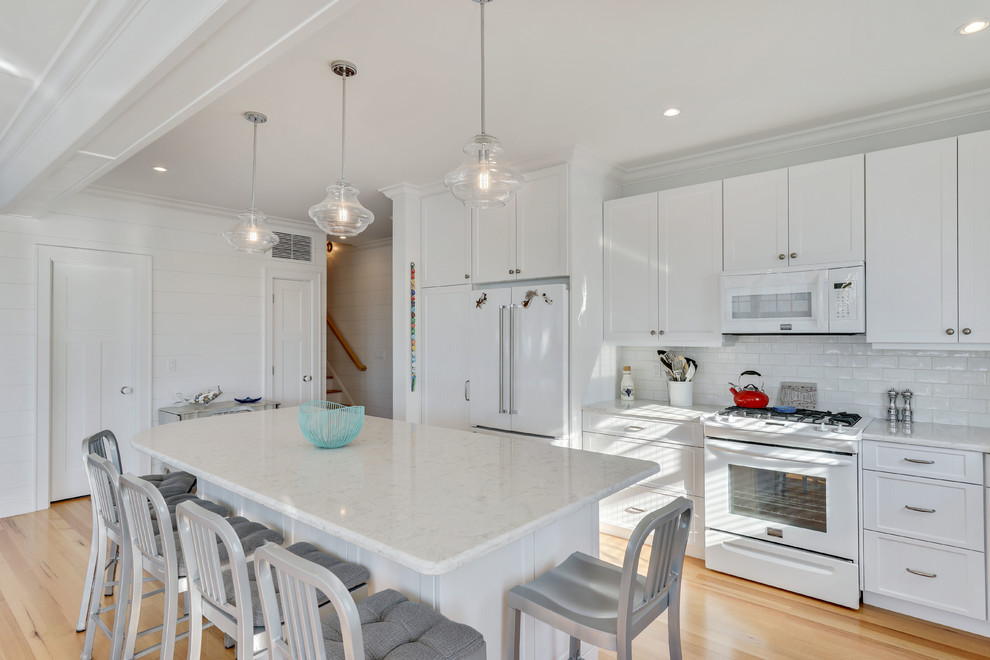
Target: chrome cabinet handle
467,395
921,573
919,461
634,509
660,333
126,390
466,276
501,376
518,270
511,271
635,428
306,379
950,331
512,360
653,332
793,255
781,256
967,331
918,509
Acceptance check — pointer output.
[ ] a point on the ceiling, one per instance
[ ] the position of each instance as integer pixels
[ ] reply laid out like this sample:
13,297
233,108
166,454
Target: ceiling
584,72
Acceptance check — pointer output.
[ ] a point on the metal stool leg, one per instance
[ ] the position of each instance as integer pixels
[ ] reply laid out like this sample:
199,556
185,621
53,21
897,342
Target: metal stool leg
90,579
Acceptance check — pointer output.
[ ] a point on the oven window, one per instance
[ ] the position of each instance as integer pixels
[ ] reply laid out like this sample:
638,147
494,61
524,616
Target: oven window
781,497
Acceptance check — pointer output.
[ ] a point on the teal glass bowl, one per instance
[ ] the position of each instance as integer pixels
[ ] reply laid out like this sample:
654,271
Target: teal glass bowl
330,425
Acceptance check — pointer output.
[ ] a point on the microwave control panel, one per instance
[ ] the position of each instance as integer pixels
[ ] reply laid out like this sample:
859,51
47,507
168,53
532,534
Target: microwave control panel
846,300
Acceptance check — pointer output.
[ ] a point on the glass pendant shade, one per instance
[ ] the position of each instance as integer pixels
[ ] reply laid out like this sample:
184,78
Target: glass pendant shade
341,214
482,182
251,234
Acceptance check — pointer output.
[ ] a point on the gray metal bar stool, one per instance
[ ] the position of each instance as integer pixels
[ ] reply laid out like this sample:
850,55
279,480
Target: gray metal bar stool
597,602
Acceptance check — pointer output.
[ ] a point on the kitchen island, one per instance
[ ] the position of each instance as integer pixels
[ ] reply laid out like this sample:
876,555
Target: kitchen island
452,519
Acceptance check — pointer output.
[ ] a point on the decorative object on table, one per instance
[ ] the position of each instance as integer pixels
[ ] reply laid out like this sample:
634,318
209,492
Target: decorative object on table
680,373
412,325
340,213
252,234
247,399
206,396
906,413
749,395
627,391
482,181
799,395
330,425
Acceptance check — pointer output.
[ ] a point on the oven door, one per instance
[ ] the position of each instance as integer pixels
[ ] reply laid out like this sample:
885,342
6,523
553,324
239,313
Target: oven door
775,303
796,497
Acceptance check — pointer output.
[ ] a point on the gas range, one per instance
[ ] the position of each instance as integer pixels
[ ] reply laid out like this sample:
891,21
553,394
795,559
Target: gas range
799,428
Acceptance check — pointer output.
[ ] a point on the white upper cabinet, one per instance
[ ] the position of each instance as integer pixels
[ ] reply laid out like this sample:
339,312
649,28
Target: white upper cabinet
911,243
526,238
446,236
663,255
755,220
974,238
800,216
826,216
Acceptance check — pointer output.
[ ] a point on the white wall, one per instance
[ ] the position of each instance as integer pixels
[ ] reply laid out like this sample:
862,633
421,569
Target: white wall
207,309
950,387
359,298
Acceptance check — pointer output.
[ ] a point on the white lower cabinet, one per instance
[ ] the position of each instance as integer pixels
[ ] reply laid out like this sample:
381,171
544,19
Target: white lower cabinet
676,446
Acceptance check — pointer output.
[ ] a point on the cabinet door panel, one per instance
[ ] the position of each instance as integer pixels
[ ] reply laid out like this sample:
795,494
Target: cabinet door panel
755,220
826,215
911,243
446,354
631,267
494,253
690,244
446,245
541,225
974,237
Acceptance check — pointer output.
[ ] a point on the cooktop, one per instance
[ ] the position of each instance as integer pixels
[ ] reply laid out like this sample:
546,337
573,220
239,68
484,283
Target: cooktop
794,415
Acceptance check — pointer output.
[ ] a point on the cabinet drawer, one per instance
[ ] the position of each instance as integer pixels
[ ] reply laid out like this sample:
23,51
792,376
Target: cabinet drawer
932,462
938,511
685,433
680,467
938,576
620,513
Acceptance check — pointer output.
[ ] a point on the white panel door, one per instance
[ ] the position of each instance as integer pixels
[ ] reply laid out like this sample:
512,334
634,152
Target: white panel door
294,374
489,330
538,362
493,257
690,247
94,366
826,212
911,243
631,271
446,354
541,225
446,248
974,237
755,220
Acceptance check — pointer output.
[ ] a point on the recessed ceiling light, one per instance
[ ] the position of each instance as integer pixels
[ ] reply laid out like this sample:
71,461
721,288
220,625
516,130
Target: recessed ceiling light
671,112
159,168
974,26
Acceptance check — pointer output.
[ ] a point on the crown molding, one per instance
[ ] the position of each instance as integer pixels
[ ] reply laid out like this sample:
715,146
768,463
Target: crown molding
402,190
914,116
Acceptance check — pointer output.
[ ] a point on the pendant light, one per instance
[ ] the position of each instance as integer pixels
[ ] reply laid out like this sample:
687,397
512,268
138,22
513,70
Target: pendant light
341,214
482,181
252,234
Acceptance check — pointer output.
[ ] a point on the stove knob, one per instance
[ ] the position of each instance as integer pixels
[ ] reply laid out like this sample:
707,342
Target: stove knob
822,428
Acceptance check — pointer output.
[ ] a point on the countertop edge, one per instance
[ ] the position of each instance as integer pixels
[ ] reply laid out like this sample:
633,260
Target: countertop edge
929,434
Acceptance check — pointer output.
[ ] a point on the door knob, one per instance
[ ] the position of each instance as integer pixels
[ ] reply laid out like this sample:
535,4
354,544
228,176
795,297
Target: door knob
950,331
967,331
126,390
781,256
793,255
306,379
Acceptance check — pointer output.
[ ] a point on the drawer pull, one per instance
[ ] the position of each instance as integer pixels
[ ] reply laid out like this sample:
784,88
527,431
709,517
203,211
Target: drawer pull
635,428
634,509
921,573
918,509
919,461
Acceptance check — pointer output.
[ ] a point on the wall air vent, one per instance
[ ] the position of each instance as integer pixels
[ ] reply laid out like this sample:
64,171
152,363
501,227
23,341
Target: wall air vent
295,247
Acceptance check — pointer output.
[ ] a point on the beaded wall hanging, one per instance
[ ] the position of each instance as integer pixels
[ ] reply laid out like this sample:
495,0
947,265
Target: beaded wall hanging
412,325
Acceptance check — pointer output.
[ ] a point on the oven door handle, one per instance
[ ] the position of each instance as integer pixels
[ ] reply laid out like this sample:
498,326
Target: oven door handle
804,456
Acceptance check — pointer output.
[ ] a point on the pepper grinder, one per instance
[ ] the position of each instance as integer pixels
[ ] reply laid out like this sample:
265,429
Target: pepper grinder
892,408
907,394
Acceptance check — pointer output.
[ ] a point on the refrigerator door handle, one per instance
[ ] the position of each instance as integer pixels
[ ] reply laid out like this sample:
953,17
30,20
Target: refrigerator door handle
512,360
501,343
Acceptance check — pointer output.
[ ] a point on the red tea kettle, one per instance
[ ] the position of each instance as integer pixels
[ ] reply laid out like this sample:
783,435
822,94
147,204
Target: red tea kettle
749,395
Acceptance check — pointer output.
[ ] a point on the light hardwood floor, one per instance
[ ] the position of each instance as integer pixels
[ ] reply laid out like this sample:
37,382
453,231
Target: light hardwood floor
43,556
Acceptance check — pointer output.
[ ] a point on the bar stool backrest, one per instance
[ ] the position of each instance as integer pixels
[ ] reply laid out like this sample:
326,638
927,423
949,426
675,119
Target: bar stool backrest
144,507
298,582
104,444
103,478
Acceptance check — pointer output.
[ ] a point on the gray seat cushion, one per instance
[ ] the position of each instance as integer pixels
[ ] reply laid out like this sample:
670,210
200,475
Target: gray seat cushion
172,483
174,500
252,536
395,628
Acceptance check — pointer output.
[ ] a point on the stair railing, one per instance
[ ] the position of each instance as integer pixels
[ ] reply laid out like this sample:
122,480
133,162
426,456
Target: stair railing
347,347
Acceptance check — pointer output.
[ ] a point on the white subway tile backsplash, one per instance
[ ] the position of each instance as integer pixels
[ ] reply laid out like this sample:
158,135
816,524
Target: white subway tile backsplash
951,387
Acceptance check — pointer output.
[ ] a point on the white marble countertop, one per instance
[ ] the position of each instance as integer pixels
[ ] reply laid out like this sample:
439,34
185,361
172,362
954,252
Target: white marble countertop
972,438
431,499
646,409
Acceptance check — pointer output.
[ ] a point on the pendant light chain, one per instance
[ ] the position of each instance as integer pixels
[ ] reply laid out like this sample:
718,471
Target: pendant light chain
483,66
254,162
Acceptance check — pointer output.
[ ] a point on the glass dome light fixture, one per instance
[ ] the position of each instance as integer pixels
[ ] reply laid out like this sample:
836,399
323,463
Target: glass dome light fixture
482,181
252,234
341,214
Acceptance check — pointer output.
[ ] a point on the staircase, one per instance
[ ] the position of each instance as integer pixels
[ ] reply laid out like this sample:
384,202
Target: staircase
334,393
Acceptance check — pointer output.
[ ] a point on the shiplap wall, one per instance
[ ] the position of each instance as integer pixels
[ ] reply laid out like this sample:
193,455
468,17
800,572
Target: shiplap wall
949,386
359,298
207,310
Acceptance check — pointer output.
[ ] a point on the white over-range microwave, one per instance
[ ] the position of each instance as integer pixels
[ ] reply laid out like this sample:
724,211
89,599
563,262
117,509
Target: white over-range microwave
817,301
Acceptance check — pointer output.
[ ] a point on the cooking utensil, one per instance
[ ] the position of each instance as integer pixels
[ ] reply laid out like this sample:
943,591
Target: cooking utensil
749,395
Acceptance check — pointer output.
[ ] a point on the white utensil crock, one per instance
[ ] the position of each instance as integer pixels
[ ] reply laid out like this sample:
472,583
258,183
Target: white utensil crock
680,394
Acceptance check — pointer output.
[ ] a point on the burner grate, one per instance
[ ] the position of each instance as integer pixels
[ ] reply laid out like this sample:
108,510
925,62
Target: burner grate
804,415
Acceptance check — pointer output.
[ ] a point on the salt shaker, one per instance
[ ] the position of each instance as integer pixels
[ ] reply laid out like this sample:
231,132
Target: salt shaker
907,394
892,408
